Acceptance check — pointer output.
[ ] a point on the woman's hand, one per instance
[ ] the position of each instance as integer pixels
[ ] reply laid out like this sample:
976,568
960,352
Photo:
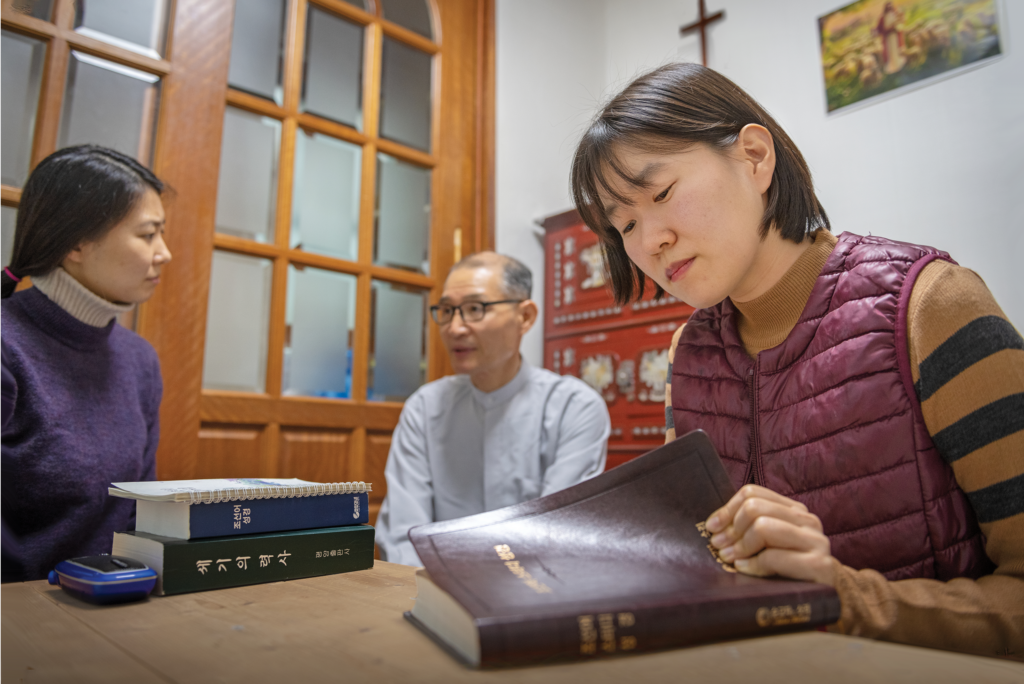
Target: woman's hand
763,533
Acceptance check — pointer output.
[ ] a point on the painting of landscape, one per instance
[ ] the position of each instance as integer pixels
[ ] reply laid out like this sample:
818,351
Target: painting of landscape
872,47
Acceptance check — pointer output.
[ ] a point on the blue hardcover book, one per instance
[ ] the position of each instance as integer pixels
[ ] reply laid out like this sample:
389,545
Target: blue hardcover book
198,509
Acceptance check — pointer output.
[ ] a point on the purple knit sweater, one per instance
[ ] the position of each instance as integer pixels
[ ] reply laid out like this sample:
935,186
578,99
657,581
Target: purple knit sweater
80,410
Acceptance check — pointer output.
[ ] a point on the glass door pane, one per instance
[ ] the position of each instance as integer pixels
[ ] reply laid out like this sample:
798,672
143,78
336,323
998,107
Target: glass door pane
318,339
237,323
109,104
325,199
405,95
411,14
8,218
247,188
402,235
22,66
333,83
257,48
40,9
398,343
137,25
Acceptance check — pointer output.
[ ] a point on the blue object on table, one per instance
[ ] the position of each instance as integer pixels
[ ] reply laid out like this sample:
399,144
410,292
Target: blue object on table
104,579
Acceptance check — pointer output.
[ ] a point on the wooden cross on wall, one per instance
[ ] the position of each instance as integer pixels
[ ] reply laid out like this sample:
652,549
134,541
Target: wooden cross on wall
700,25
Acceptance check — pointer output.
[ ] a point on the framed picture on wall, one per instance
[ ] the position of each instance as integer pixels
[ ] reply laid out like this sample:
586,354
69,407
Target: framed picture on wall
871,48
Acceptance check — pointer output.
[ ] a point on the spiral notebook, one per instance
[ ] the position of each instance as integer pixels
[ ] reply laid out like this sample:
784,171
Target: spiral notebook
191,509
233,489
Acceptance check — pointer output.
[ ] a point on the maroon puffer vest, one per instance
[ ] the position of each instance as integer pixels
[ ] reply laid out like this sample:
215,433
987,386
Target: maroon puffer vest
830,417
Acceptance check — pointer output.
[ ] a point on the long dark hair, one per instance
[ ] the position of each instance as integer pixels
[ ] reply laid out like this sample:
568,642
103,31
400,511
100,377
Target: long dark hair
75,195
665,111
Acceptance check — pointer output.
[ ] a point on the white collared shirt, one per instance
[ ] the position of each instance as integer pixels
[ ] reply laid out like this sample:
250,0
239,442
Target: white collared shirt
459,451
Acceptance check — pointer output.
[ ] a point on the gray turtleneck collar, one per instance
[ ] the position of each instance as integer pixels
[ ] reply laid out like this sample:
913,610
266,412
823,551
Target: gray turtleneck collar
69,294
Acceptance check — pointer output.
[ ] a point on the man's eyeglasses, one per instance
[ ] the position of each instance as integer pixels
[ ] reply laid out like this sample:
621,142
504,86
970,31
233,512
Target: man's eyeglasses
471,312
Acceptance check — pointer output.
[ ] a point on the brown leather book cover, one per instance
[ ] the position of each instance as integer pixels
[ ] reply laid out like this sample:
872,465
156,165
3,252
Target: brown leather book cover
619,563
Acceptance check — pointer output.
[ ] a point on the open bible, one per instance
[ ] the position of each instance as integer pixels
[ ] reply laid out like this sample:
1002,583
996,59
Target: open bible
619,563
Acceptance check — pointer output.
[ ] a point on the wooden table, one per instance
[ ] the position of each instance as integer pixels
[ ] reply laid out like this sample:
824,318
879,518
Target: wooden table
349,628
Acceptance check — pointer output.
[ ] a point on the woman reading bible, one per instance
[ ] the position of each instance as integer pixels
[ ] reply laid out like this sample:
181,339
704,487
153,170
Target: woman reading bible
866,396
81,394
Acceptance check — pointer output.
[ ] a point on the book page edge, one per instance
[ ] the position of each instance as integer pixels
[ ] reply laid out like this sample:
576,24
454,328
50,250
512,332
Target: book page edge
446,618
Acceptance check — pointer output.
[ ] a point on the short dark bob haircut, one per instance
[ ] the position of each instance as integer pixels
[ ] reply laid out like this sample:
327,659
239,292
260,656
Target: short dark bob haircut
666,111
75,195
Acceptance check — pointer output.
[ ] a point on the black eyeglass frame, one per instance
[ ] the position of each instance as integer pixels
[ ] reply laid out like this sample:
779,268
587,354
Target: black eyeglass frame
436,308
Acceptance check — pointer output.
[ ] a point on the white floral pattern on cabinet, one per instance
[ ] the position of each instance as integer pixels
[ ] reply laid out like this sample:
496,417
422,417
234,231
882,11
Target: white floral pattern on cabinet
653,374
593,258
597,371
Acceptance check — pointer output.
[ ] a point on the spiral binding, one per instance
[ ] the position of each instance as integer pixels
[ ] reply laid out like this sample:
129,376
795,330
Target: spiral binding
253,493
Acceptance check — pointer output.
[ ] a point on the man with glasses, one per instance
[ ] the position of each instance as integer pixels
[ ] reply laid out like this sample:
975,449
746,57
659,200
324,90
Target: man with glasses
500,431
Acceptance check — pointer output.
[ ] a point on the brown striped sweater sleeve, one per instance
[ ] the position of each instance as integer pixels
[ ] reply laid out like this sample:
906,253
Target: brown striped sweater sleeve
967,361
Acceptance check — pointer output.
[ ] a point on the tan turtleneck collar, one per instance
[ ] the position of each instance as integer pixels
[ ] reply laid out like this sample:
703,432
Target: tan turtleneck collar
767,320
70,295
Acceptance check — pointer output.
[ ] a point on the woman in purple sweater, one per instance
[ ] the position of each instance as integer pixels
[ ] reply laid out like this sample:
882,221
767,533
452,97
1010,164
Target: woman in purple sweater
81,394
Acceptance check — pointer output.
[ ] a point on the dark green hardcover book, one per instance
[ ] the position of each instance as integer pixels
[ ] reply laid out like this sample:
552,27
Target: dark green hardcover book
185,565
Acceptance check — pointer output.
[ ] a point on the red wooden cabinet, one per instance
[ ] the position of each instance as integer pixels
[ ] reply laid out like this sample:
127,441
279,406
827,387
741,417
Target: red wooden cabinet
620,351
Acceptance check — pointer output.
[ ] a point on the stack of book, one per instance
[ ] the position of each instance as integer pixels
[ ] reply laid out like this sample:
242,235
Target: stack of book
211,534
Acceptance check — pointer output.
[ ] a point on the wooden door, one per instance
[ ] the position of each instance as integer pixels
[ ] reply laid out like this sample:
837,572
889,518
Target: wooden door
186,104
261,281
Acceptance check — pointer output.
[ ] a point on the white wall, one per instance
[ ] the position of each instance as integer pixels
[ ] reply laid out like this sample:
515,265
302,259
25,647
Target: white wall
934,166
644,34
937,166
547,81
